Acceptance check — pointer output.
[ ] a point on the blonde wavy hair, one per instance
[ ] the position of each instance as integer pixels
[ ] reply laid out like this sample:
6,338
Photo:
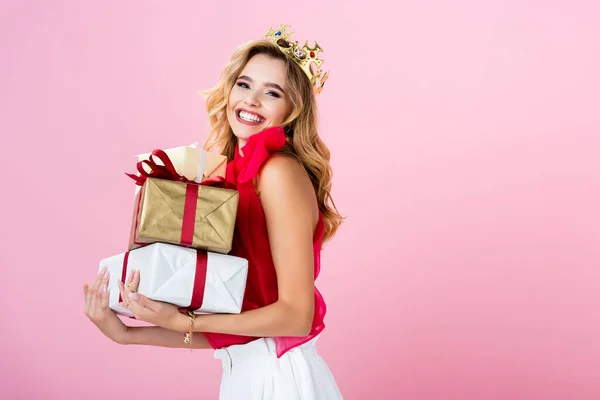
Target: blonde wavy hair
303,141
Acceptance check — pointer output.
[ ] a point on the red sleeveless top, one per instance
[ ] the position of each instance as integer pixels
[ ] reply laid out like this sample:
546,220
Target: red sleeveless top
251,241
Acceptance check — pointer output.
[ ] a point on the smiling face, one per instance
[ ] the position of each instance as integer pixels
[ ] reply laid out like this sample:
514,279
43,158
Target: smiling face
258,98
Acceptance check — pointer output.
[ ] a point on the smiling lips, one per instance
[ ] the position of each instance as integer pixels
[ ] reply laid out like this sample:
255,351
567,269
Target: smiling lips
249,118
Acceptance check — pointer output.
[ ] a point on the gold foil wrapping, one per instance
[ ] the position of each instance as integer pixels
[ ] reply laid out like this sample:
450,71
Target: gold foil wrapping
159,210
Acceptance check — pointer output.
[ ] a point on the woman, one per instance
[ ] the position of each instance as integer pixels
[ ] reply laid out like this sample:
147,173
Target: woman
263,117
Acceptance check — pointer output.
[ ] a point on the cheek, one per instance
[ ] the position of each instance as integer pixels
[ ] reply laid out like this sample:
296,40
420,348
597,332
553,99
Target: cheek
280,113
233,98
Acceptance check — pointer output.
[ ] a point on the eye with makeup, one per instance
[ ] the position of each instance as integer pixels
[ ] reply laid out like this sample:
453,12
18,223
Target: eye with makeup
273,94
270,93
243,85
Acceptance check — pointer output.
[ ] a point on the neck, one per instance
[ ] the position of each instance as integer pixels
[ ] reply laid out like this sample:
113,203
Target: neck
240,144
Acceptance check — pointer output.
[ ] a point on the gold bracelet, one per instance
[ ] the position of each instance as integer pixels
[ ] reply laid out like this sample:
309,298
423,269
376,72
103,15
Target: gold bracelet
188,336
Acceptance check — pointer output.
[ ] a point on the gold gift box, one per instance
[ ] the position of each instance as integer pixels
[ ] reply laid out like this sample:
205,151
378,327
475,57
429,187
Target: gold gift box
159,212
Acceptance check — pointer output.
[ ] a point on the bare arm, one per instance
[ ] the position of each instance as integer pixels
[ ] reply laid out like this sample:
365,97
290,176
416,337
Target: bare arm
161,337
291,212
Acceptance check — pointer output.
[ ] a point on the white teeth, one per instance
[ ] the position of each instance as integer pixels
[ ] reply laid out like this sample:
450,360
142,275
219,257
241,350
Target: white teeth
246,116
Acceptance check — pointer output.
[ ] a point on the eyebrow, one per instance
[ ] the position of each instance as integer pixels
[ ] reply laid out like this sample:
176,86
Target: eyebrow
269,84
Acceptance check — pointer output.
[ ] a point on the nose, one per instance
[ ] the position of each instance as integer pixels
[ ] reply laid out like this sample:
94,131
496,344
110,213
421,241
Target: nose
251,100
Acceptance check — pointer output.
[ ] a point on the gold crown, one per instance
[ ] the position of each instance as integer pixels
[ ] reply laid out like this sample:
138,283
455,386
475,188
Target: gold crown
304,56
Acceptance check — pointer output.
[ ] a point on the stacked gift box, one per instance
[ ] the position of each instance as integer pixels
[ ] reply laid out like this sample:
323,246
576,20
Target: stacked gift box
181,231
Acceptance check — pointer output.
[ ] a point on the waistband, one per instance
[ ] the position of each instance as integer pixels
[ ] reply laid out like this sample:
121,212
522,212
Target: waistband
259,347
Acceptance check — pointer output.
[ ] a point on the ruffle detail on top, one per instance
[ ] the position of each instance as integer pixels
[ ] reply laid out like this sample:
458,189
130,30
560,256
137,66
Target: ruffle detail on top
255,152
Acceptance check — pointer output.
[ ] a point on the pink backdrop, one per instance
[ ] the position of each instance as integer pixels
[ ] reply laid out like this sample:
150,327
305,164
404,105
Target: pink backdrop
465,145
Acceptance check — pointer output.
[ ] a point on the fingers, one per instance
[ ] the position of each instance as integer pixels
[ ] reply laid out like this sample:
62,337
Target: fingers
94,293
135,283
94,289
136,308
129,277
102,286
131,285
123,293
123,290
133,306
96,284
104,298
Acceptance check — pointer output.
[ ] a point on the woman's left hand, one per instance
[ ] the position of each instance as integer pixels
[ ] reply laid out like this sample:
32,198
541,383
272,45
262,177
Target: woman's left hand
156,313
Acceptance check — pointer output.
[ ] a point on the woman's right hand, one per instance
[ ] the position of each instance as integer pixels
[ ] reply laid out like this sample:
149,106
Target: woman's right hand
97,310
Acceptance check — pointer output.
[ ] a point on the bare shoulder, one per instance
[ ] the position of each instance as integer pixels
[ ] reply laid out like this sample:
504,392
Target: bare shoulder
280,169
284,182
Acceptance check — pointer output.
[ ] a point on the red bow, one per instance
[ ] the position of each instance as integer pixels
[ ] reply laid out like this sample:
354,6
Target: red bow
167,171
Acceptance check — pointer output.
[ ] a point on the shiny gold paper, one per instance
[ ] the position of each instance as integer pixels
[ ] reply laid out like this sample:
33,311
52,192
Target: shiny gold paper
160,215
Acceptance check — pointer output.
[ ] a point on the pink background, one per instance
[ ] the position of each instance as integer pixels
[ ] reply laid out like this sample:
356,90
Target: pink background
465,139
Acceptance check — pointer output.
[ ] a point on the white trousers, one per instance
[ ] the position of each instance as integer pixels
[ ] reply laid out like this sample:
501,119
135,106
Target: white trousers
252,371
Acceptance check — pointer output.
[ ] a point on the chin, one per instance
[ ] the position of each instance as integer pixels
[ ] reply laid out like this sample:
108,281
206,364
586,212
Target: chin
244,132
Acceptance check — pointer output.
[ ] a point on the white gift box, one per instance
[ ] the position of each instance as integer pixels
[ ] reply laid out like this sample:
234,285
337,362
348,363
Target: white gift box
167,274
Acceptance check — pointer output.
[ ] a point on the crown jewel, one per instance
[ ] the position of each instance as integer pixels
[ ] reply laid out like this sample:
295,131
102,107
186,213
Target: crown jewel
306,57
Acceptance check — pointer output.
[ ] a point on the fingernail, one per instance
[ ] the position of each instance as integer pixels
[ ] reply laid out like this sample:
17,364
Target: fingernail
106,273
104,288
134,296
